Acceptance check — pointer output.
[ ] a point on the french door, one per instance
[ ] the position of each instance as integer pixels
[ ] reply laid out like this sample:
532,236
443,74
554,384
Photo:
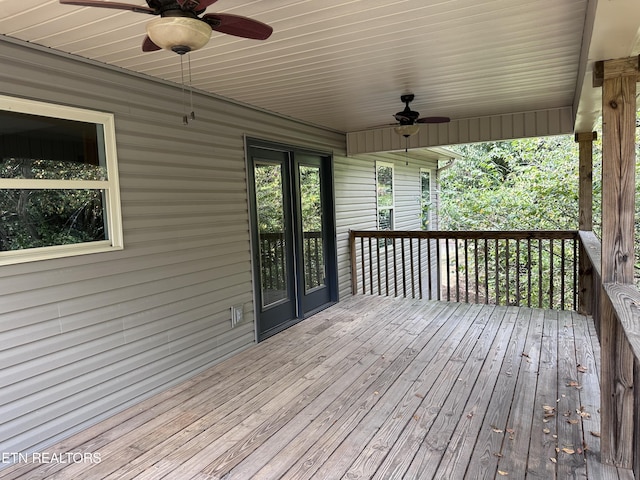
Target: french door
294,246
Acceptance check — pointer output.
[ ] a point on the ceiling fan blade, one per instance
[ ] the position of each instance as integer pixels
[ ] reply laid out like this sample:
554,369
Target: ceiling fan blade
433,120
115,5
238,26
149,46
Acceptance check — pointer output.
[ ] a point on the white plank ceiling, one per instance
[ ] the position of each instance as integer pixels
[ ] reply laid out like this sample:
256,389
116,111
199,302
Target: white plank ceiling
343,64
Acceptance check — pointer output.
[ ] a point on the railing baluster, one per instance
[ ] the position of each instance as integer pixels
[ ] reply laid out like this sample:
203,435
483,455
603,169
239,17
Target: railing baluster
413,278
575,274
518,273
506,270
529,269
386,266
540,272
395,268
562,272
466,270
420,267
475,269
378,267
371,266
439,269
457,251
404,269
448,271
497,269
429,268
486,270
551,274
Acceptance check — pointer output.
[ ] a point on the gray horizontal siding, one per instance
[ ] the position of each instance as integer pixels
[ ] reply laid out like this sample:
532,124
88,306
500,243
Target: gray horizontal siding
356,202
83,337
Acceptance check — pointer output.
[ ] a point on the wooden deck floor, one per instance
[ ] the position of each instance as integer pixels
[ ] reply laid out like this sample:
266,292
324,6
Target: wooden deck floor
372,388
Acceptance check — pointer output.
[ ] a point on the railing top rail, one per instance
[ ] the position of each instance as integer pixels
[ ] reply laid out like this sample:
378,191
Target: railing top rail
625,300
475,234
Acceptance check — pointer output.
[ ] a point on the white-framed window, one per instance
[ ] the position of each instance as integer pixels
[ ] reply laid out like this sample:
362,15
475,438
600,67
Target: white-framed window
425,198
385,195
59,190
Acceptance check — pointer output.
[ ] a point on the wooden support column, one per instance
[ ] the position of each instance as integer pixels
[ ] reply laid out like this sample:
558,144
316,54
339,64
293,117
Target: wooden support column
618,79
585,191
585,222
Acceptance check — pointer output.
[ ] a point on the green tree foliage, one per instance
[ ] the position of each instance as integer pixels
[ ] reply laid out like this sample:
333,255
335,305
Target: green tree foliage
527,184
32,218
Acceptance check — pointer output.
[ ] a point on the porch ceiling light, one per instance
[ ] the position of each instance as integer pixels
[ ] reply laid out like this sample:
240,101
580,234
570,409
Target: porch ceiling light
407,130
179,34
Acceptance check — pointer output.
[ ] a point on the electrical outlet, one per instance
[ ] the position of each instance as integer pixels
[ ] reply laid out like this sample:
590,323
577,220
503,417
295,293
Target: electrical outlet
236,315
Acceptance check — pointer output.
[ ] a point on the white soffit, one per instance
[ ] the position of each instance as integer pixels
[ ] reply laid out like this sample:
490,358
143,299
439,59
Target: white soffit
343,64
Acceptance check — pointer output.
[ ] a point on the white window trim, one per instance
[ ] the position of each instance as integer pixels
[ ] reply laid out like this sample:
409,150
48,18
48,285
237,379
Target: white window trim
393,195
110,187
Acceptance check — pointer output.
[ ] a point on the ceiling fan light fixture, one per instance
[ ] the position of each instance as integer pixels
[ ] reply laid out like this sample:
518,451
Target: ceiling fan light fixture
179,34
407,130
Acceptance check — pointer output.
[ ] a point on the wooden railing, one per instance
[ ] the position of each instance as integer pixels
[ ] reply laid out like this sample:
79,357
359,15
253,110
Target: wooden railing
616,313
529,268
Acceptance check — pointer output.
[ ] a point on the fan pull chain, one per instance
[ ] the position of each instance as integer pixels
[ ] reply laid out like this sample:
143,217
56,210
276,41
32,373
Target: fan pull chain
185,118
193,114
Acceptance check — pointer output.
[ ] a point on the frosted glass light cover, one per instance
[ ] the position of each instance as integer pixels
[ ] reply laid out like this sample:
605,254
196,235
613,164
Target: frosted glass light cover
171,32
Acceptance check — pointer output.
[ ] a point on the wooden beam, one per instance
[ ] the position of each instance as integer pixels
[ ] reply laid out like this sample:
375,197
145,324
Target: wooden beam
621,67
619,79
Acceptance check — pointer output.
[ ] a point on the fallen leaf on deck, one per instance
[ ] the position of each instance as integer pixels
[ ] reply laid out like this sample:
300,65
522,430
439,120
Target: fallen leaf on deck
573,421
546,430
573,383
582,369
504,474
553,460
525,355
582,413
496,429
569,451
595,434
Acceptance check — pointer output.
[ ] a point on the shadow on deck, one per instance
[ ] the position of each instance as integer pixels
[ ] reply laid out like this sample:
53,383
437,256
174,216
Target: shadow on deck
373,387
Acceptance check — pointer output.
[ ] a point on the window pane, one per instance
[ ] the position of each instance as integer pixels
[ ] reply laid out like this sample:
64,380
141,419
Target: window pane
425,200
33,146
273,241
385,185
43,218
385,219
313,250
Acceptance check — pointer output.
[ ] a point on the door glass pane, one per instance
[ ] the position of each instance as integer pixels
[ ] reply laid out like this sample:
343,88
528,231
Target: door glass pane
312,246
271,231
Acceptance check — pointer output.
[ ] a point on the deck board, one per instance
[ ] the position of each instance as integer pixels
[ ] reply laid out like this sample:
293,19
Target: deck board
372,387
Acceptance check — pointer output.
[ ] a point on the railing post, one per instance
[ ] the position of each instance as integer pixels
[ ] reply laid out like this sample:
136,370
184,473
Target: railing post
354,273
585,210
618,80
